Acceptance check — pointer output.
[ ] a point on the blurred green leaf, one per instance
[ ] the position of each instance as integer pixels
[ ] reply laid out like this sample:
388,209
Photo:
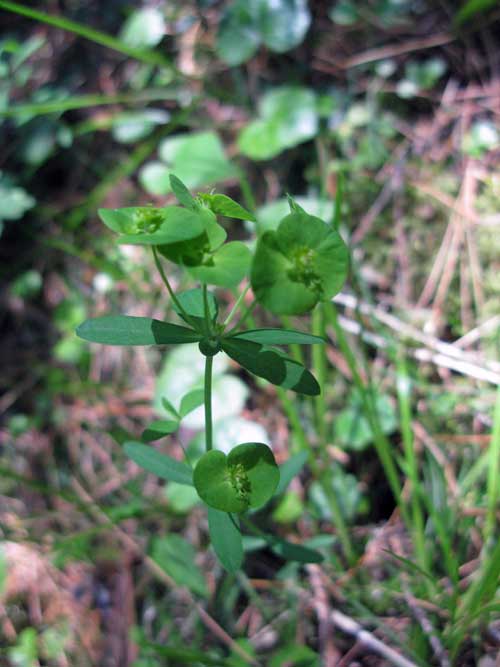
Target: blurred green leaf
472,7
131,126
289,509
159,429
25,652
290,469
176,556
295,552
159,464
295,656
288,117
225,538
14,201
153,177
279,24
352,428
196,159
143,28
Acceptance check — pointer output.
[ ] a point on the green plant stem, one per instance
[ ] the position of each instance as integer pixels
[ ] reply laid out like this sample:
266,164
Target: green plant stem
381,442
236,306
208,320
319,367
333,504
84,101
418,524
167,284
144,55
208,402
493,480
246,314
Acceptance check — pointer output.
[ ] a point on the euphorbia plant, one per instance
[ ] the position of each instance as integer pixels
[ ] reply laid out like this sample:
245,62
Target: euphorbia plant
293,268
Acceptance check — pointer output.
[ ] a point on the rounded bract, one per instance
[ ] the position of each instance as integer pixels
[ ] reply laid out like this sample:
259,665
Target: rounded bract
301,263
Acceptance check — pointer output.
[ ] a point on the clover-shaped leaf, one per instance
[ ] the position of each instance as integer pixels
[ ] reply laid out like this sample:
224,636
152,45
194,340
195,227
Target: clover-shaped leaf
304,261
247,477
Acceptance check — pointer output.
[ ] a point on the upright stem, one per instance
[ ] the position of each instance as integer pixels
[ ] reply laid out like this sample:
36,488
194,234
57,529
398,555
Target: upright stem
208,402
168,286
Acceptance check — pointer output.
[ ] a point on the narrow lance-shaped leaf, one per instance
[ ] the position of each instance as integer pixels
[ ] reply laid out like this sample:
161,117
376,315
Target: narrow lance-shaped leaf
191,401
224,205
159,464
272,366
129,330
289,469
278,337
295,552
182,193
159,429
226,539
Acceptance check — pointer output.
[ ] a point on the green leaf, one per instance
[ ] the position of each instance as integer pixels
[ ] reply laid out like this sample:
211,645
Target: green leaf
196,251
128,330
279,24
182,193
159,464
226,267
246,478
290,469
183,655
271,365
472,7
176,557
278,337
159,429
304,261
224,205
239,36
288,117
144,28
146,225
131,126
284,23
352,425
14,201
270,215
295,656
196,159
194,304
167,405
191,401
226,539
153,176
296,552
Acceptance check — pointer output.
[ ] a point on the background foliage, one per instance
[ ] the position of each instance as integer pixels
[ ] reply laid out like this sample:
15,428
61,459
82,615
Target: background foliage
398,485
